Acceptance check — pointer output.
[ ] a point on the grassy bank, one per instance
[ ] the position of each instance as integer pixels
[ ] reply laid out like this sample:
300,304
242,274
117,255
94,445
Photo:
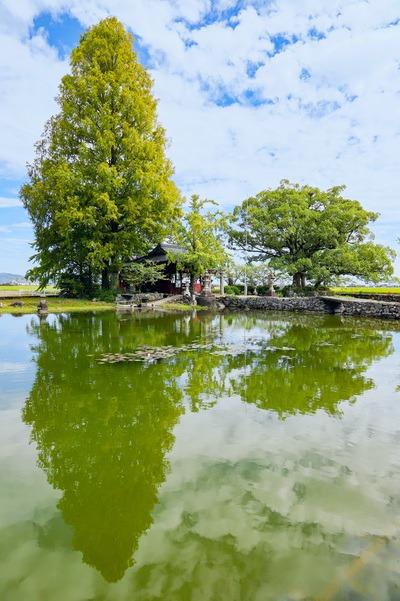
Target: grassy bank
56,305
365,290
180,307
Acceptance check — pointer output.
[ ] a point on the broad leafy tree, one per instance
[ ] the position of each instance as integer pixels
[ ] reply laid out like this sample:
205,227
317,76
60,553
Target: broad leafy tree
310,234
199,233
100,188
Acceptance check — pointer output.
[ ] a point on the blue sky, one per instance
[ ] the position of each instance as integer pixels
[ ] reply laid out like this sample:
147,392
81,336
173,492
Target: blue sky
250,92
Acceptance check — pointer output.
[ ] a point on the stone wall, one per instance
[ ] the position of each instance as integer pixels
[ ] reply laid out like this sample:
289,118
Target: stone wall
316,304
390,298
140,297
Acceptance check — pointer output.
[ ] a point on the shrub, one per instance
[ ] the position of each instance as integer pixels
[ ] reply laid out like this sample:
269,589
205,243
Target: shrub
232,290
106,296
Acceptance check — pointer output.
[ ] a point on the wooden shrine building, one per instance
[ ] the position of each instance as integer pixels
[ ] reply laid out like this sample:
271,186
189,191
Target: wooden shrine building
174,281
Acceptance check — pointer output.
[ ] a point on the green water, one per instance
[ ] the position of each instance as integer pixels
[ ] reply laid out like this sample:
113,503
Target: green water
265,469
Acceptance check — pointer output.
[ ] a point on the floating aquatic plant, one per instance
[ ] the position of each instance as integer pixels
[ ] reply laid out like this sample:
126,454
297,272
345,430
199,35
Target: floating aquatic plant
151,354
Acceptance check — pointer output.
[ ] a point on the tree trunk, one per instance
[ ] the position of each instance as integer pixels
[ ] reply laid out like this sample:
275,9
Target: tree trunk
221,284
303,280
105,279
297,280
192,282
87,281
113,280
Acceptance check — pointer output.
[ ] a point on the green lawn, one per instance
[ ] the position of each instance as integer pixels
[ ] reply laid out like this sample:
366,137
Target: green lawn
56,305
365,290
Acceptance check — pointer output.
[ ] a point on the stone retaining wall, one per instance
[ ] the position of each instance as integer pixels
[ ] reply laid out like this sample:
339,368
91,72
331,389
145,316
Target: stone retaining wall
317,304
140,297
390,298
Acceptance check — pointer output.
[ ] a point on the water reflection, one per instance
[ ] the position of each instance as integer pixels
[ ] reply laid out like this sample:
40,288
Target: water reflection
104,432
102,439
313,368
301,369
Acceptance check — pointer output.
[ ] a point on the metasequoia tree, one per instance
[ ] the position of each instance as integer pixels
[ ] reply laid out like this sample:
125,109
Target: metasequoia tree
100,188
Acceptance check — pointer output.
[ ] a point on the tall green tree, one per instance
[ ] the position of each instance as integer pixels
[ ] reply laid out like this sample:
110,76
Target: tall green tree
100,188
200,234
310,234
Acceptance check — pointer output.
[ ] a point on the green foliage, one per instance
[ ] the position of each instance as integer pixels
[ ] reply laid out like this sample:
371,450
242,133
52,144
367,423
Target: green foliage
368,261
106,296
232,289
139,274
100,187
310,234
200,235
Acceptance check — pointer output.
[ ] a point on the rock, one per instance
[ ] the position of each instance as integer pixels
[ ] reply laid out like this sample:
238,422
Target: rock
43,307
207,300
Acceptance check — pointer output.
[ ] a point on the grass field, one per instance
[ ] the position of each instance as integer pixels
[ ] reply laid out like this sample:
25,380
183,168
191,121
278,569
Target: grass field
56,305
365,290
26,288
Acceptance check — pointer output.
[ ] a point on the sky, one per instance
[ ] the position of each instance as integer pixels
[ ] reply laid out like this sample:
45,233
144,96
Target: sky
250,92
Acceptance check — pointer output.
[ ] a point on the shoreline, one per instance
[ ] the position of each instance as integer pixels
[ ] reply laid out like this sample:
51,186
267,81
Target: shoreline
55,304
322,305
319,305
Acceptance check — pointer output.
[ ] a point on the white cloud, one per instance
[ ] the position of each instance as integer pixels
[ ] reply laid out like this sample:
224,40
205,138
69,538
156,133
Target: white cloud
16,226
327,111
22,225
31,71
7,203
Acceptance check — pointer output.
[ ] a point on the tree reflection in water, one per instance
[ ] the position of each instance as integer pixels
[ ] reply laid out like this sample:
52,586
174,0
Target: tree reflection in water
103,432
102,437
313,368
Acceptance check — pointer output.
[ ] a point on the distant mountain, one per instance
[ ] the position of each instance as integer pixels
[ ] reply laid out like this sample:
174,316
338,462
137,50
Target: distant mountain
12,278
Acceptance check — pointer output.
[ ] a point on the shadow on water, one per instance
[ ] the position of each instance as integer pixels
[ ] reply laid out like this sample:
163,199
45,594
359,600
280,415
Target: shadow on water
103,432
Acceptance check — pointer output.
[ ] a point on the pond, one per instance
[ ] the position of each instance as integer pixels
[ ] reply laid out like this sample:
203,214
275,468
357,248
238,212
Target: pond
259,463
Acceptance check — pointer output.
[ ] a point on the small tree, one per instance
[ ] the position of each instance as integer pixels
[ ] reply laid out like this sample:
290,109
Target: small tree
200,235
259,274
234,272
139,274
310,234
